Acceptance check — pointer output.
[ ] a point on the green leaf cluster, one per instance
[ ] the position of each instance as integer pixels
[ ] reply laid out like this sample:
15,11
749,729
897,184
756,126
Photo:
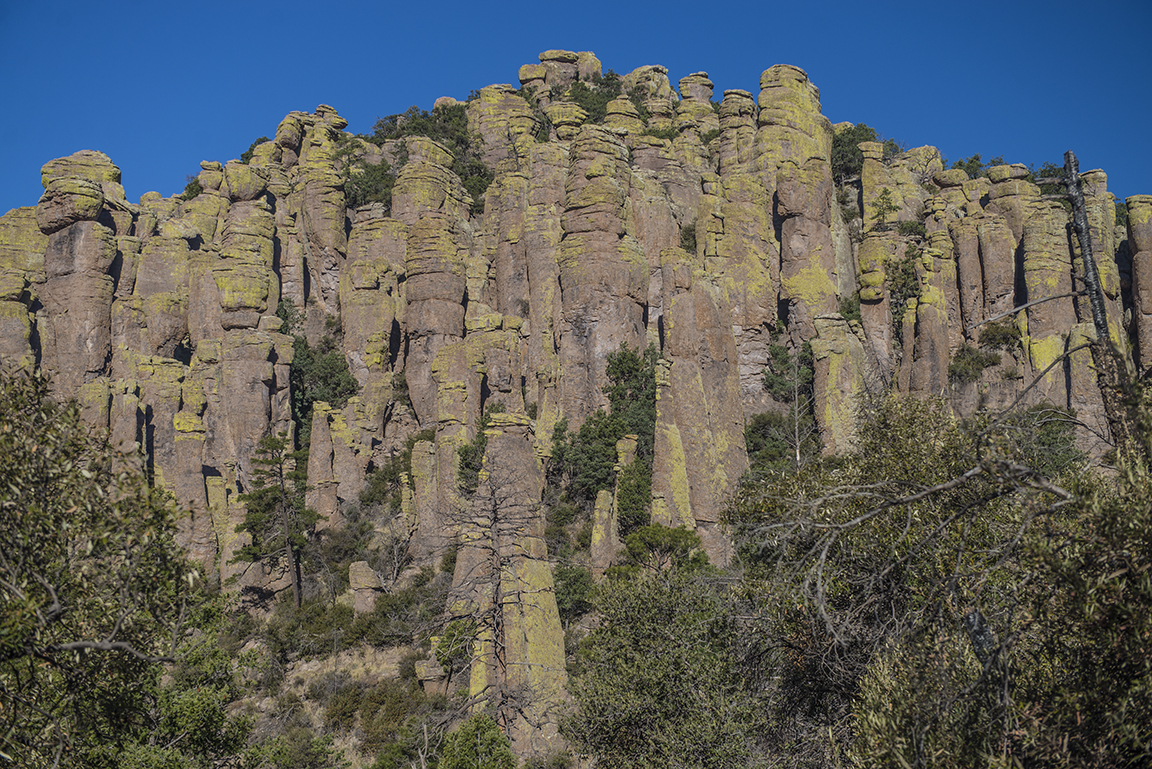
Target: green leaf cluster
968,361
660,680
847,158
94,595
788,376
477,743
192,188
593,96
470,456
246,155
317,373
383,484
586,460
975,166
368,183
447,125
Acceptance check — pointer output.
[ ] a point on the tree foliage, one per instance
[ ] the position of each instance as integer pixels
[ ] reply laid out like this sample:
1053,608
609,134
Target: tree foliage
94,590
593,96
893,581
246,155
586,460
447,125
660,682
477,744
847,158
317,373
276,518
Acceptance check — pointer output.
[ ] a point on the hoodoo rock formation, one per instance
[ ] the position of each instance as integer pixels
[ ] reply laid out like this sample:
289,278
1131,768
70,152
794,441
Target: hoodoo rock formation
712,231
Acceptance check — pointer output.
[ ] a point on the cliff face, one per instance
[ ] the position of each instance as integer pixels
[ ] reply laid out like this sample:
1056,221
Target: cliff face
713,245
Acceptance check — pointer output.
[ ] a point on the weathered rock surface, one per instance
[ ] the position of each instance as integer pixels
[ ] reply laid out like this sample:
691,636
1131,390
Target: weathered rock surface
713,246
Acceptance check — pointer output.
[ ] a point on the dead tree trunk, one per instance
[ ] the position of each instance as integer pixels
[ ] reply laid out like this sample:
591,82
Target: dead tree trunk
1112,374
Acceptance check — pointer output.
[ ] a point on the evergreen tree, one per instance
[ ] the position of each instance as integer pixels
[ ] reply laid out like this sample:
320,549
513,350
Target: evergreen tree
276,518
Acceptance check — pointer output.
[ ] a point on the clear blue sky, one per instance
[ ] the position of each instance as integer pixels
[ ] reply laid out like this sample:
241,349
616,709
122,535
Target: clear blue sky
161,86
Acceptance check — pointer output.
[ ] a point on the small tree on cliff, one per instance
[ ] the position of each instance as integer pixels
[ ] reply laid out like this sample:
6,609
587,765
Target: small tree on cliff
885,206
276,517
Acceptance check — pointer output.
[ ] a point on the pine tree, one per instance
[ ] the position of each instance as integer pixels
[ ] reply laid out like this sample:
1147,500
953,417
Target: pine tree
276,518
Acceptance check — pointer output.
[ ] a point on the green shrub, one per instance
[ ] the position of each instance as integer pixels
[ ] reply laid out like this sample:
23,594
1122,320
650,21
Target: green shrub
586,460
367,183
593,96
912,229
1000,335
788,375
847,158
968,362
454,650
633,496
383,483
903,286
477,743
850,307
402,615
246,156
885,206
192,188
471,454
709,136
847,200
975,166
771,438
688,237
667,134
317,374
448,125
573,590
557,519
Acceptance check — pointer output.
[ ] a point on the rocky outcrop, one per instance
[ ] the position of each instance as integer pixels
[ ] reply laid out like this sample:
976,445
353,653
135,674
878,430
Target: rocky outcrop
711,234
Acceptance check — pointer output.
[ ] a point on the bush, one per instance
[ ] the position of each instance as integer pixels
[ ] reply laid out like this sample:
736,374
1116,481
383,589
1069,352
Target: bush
477,743
573,590
850,307
587,459
471,454
849,204
975,166
1000,335
912,229
667,134
366,183
688,237
788,376
633,496
192,188
661,682
594,98
383,483
847,159
968,362
246,156
903,286
448,125
318,374
885,206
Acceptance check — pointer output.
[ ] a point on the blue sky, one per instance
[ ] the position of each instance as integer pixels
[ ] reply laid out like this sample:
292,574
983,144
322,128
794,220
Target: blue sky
161,86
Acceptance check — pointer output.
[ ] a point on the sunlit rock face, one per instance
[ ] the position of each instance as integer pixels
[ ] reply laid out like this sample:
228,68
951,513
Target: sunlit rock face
711,230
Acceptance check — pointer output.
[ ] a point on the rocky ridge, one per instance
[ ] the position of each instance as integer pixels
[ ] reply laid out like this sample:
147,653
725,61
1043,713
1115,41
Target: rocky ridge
712,230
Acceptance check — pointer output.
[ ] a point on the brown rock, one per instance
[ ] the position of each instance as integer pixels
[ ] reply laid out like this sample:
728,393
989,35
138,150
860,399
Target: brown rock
67,200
